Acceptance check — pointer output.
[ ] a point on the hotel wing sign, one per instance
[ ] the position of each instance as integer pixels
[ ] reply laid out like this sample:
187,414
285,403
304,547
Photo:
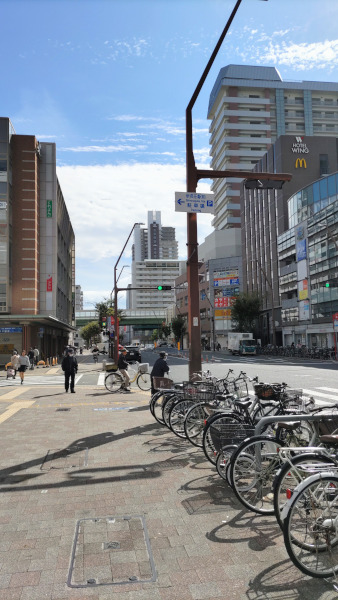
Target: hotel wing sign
300,147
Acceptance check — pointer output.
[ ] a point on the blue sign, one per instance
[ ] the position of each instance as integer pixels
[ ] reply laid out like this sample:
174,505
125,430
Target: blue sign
301,250
10,329
234,281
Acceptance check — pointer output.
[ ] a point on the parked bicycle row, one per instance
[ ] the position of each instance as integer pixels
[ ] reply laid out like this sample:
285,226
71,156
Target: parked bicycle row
276,450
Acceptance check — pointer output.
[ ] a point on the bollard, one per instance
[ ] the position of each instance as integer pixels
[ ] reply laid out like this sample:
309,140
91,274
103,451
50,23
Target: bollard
104,364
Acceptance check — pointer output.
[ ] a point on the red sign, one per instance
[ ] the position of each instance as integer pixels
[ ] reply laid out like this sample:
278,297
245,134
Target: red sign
49,284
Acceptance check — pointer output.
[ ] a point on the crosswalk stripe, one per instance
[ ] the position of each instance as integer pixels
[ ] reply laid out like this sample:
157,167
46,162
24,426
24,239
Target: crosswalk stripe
321,395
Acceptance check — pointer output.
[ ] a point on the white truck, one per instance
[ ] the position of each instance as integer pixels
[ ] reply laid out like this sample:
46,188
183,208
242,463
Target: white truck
241,343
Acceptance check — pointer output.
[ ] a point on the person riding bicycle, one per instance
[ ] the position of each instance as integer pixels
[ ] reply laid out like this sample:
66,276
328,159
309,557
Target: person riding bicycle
123,366
96,353
159,369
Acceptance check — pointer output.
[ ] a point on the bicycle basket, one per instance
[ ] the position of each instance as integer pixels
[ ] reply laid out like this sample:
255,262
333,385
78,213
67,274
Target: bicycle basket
144,368
162,383
199,391
111,367
264,391
328,425
230,434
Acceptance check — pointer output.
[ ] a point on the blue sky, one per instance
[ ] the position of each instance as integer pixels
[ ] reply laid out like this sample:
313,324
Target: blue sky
109,80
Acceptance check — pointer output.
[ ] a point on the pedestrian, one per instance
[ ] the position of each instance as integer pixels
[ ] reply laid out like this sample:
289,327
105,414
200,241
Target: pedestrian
36,355
15,362
69,366
123,366
23,364
31,357
159,369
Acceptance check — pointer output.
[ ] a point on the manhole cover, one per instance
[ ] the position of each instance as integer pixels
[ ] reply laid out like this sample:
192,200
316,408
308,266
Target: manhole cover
111,551
62,409
74,457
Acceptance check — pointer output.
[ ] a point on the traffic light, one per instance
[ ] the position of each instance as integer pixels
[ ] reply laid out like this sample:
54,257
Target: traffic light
104,322
327,284
161,288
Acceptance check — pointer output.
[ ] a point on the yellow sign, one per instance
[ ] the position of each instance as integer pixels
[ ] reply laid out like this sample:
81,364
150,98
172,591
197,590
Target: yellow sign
300,162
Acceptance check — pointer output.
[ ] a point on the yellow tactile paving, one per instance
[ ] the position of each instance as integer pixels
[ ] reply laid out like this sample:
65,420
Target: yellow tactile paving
10,396
14,409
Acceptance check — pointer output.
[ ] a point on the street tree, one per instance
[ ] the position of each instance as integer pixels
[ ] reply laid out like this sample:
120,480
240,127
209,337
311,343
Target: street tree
245,312
165,330
90,331
179,327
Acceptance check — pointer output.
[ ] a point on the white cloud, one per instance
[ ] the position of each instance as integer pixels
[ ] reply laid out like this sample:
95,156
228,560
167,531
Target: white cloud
119,148
105,201
301,57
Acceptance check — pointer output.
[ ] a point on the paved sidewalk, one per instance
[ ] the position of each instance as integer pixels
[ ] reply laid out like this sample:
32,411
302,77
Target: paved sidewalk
98,501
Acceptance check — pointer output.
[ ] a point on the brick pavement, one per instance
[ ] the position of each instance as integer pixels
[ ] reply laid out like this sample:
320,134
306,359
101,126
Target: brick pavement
106,474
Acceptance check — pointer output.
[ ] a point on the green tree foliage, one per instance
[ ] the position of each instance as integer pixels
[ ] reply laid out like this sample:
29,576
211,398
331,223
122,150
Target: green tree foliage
178,327
166,330
154,335
106,309
90,330
245,312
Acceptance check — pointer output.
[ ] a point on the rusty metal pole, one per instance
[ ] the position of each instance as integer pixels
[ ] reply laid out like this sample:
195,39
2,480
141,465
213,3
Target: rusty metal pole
194,327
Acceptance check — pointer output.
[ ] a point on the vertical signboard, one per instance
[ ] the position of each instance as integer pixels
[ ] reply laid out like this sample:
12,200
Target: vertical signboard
49,208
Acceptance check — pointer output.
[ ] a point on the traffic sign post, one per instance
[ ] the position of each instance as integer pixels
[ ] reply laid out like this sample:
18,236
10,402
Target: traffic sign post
194,202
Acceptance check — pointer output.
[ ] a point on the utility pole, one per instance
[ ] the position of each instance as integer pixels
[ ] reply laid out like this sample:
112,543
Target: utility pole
193,176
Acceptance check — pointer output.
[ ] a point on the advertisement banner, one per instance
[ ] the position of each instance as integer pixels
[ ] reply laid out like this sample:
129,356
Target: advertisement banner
49,284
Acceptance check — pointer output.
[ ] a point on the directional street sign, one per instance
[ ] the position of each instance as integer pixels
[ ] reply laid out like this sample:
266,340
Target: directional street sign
194,202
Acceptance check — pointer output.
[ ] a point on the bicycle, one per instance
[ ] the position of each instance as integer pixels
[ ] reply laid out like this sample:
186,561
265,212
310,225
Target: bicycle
115,381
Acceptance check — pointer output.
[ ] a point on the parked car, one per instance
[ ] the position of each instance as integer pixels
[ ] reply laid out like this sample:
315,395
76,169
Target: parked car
133,354
162,344
149,347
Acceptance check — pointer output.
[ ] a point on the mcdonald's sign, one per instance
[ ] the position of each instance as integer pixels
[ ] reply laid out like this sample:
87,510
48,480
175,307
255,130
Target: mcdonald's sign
300,162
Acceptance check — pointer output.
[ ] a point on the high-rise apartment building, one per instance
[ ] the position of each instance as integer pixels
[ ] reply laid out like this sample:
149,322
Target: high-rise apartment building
37,248
250,107
155,262
78,298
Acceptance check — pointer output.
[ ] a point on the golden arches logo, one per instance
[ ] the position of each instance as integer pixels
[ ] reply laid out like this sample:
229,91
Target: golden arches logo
300,162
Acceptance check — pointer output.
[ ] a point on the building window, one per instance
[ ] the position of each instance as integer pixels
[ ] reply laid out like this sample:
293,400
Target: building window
324,164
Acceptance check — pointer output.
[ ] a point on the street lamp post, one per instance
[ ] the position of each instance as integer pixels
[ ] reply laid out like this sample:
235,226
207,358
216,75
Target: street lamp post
193,176
116,336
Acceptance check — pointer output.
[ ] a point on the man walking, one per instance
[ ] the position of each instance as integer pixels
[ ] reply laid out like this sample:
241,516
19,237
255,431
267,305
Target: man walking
159,369
69,366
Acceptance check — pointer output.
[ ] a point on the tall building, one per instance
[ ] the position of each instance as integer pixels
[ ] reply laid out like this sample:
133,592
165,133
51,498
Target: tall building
78,298
154,241
250,107
155,262
265,218
37,248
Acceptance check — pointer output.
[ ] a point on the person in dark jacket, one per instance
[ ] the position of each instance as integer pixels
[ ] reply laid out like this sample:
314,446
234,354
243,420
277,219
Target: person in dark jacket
159,369
123,366
69,366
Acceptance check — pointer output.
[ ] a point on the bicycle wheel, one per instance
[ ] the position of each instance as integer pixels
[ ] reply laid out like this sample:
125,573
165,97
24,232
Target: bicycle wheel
223,462
194,424
167,406
252,472
216,422
311,526
177,416
290,475
144,381
157,406
113,382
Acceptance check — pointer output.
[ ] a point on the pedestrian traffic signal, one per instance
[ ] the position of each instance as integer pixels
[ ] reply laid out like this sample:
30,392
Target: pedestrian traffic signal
104,322
161,288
